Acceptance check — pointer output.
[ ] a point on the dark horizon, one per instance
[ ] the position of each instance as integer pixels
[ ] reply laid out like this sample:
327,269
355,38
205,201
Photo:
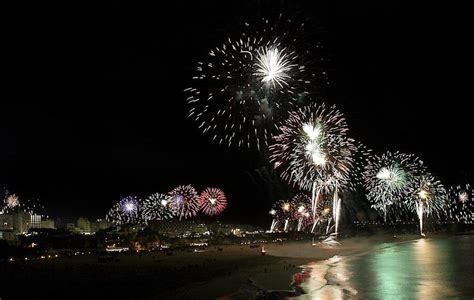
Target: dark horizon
94,108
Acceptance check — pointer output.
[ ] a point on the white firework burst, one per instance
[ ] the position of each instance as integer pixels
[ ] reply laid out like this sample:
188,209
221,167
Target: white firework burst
126,211
156,207
248,84
460,205
184,201
274,66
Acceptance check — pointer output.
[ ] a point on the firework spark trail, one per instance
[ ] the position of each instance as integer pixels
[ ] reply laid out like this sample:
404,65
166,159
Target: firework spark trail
286,210
427,197
33,206
273,213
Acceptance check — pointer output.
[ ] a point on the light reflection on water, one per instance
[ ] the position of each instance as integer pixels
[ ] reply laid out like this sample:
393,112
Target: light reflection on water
323,276
422,269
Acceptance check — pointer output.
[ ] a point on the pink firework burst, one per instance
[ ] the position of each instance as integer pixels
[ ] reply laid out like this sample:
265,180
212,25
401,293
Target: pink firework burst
184,201
212,201
12,201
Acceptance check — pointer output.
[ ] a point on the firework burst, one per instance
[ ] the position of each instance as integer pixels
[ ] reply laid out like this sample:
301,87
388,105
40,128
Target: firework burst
314,152
156,207
274,67
247,84
313,147
387,179
184,201
32,206
212,201
126,211
460,205
282,212
301,213
12,201
427,197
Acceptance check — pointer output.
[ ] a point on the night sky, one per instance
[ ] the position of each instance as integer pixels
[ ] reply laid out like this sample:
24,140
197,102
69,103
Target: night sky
93,107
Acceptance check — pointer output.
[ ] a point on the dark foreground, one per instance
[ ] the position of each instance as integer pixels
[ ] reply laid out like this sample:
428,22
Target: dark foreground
155,275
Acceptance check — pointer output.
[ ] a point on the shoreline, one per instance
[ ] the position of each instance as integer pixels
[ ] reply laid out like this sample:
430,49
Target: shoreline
306,254
275,270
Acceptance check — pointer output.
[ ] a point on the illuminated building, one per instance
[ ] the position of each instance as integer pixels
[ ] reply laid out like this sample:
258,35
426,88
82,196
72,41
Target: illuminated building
99,224
71,227
6,221
18,221
21,222
236,232
84,225
48,223
8,235
35,221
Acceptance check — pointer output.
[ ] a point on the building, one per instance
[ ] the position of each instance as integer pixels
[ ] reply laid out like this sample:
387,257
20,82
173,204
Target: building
183,228
21,222
47,223
18,221
59,224
35,221
236,232
84,226
6,221
99,224
199,229
8,235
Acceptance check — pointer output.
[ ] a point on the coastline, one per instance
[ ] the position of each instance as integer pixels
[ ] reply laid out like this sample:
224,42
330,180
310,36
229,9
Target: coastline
218,272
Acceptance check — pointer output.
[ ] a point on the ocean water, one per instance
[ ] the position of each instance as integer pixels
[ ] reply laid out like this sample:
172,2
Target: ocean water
428,268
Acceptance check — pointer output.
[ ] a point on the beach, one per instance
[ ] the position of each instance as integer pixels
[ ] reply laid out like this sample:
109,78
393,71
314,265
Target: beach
275,270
